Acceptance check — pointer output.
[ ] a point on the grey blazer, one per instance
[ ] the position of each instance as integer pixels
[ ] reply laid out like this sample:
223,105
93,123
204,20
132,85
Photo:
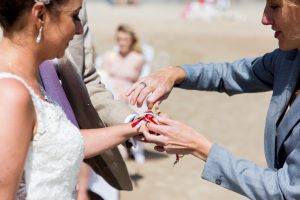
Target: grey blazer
277,71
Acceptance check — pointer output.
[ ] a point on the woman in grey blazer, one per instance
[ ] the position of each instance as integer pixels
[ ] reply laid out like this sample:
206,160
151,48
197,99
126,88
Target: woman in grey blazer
277,71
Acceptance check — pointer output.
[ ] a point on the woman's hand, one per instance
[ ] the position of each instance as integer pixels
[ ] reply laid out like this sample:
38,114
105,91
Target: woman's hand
177,138
155,87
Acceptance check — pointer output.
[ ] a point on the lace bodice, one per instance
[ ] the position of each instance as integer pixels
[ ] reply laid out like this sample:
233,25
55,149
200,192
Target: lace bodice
55,153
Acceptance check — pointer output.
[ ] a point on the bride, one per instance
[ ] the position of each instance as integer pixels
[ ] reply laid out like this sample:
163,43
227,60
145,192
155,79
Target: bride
36,137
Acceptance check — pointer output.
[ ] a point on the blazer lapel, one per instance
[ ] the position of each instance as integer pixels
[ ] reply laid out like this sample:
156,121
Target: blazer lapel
288,122
275,110
292,116
286,76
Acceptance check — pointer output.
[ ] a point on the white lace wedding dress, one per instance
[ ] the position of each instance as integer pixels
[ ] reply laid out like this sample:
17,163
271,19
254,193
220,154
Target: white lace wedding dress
55,153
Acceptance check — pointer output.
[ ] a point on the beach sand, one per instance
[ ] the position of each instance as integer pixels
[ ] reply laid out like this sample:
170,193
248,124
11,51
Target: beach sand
236,123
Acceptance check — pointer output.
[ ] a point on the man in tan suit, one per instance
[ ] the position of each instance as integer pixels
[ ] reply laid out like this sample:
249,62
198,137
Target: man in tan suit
81,54
80,80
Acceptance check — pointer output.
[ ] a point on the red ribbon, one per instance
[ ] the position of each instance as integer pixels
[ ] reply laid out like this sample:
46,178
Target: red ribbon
149,117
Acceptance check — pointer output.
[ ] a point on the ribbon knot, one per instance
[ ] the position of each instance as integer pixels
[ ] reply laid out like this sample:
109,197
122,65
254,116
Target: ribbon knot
149,116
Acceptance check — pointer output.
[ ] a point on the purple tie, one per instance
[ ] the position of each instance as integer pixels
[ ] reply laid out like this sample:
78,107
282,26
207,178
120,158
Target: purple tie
54,89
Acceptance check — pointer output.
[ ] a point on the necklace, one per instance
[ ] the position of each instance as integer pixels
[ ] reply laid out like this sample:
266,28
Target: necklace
46,96
43,91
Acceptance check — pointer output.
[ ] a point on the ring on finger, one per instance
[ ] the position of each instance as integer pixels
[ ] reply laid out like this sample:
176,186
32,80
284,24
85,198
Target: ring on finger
143,84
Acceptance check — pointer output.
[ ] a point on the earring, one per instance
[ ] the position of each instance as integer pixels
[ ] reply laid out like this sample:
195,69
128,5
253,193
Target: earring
39,37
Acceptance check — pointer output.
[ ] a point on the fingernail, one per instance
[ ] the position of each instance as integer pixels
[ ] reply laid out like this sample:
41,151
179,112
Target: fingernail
147,124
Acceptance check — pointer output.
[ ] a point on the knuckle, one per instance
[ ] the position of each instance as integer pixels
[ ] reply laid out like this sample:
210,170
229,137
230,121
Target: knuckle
150,100
167,129
135,94
144,92
161,90
148,89
166,141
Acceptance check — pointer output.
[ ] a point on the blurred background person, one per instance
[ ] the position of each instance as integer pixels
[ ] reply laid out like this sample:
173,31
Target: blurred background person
120,68
123,2
124,63
205,9
133,1
223,4
110,2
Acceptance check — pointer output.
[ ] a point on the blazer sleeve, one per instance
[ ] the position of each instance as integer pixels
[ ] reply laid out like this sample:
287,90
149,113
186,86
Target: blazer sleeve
242,76
111,111
250,180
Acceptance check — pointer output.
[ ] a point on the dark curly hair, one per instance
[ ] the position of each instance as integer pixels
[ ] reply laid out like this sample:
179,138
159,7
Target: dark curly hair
11,11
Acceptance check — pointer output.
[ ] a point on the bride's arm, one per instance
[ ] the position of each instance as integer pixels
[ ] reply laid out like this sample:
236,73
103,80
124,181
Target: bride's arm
17,118
98,140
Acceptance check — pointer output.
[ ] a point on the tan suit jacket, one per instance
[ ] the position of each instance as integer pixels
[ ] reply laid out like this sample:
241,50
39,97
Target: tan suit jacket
93,105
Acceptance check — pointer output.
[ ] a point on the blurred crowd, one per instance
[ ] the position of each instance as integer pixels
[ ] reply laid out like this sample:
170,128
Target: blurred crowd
122,2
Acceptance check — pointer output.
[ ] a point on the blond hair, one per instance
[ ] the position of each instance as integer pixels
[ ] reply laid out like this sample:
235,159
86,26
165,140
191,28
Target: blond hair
294,17
135,46
294,2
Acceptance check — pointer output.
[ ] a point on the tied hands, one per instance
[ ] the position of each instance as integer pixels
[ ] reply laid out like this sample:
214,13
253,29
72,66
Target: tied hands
174,137
168,135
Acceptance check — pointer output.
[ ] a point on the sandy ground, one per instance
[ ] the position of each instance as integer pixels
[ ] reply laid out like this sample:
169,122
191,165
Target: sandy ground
234,122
